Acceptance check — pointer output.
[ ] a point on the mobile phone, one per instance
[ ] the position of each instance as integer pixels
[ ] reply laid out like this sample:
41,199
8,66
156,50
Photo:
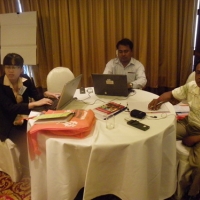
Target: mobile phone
138,125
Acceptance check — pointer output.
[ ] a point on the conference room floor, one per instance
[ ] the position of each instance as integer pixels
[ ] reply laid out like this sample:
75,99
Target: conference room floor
26,189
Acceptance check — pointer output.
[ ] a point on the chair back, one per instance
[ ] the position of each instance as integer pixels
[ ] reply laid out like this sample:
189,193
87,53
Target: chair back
57,77
191,77
184,169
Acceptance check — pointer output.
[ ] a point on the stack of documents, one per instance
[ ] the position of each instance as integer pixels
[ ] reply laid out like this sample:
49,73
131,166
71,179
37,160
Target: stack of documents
181,110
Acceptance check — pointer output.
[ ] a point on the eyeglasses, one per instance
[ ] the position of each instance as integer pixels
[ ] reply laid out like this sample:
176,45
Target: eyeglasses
12,67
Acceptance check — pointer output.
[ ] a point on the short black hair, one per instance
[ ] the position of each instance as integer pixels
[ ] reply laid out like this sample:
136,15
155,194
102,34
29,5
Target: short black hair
13,59
125,42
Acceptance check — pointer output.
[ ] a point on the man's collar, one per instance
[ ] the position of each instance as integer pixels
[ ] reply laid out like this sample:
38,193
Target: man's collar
132,61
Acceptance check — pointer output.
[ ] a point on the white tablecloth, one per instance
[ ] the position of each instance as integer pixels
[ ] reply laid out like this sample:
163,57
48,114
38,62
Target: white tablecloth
125,161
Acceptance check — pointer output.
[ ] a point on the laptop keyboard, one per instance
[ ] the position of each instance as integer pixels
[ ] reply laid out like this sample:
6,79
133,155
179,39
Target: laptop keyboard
47,107
53,105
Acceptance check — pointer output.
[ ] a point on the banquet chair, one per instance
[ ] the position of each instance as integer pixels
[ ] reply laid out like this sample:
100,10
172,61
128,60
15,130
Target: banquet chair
9,162
191,77
57,77
183,167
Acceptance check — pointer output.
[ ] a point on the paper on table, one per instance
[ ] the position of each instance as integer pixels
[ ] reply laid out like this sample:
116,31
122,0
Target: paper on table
31,121
181,108
143,106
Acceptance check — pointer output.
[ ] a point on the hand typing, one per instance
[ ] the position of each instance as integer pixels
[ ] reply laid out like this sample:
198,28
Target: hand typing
41,102
51,95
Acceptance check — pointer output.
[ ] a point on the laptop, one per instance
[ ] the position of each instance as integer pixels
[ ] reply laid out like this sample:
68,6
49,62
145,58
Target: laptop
66,97
110,84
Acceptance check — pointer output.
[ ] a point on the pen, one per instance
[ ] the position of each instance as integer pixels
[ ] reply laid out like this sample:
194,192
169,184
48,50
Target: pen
115,113
159,103
156,112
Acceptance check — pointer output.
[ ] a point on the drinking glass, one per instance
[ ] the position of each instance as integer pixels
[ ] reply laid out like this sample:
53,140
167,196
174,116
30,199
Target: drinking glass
110,122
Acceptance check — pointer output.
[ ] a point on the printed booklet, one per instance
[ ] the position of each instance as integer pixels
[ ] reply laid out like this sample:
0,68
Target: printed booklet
108,109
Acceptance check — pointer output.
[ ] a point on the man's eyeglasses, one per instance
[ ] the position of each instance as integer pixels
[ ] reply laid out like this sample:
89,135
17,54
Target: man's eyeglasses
12,67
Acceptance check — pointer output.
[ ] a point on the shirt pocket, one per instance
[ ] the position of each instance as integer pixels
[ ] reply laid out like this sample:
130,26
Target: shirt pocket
131,76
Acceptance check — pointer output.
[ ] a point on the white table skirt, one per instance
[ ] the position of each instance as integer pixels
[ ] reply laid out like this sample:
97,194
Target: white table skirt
125,161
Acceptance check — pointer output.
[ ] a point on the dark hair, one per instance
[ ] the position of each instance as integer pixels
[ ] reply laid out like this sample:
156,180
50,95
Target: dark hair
13,59
125,42
195,64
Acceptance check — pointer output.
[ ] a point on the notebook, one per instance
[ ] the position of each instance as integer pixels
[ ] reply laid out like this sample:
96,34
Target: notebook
110,84
66,97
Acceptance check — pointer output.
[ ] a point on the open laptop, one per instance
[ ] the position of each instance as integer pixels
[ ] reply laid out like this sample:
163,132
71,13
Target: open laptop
110,84
66,97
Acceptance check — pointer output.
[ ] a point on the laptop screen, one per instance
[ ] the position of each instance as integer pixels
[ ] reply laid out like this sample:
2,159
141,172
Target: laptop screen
110,84
68,92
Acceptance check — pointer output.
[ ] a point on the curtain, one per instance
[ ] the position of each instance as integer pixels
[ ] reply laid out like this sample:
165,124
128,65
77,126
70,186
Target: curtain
8,6
82,35
186,35
44,42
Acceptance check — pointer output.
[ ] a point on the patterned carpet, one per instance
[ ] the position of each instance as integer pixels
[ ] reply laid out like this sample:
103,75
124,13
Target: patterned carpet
14,191
22,190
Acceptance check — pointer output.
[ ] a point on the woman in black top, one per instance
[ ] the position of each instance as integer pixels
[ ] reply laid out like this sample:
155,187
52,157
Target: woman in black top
16,89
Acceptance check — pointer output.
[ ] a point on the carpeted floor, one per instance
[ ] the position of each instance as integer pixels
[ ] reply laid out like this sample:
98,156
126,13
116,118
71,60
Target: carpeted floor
22,190
14,191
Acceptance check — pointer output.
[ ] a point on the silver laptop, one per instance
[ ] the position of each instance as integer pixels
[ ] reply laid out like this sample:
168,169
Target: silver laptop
110,84
66,97
68,91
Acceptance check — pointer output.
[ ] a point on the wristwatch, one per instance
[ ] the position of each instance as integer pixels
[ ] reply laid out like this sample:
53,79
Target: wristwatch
131,85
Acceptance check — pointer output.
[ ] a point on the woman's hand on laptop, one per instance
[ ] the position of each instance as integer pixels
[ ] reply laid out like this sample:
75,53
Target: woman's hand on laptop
51,95
41,102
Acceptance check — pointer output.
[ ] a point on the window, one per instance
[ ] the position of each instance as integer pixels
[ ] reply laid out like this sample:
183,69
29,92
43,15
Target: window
197,36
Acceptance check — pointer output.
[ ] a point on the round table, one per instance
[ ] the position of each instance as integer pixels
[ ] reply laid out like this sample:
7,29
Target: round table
127,162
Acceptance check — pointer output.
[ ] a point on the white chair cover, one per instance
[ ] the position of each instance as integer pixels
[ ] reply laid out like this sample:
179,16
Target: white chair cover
191,77
57,77
183,168
9,160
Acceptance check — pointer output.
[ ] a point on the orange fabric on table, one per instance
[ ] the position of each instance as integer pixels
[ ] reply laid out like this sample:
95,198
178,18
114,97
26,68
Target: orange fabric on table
79,126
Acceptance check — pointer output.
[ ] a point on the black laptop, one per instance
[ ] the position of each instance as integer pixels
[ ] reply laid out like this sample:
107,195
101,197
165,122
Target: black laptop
110,84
